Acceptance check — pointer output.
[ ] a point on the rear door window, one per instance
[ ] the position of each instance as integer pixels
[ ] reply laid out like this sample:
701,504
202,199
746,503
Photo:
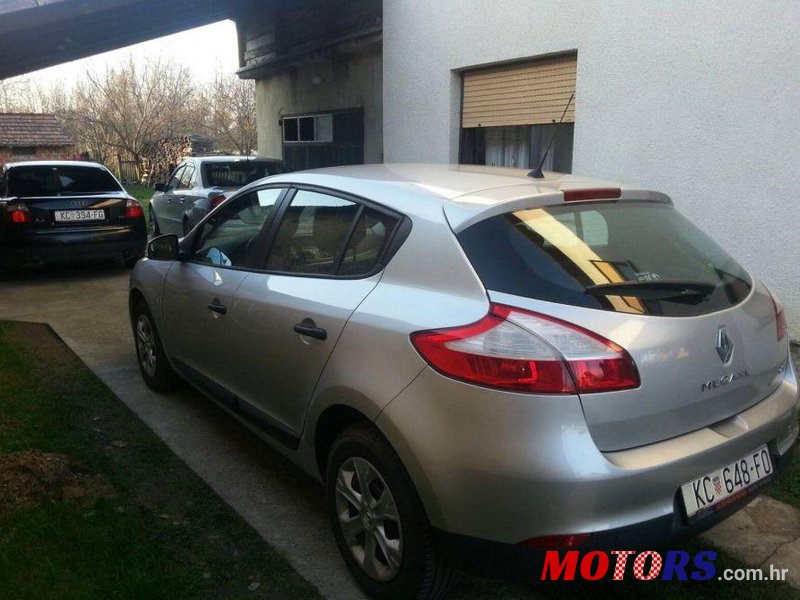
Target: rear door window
562,253
312,234
367,243
321,234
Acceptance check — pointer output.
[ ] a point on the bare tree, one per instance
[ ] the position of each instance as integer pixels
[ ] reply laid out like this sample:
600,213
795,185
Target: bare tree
17,95
228,108
130,107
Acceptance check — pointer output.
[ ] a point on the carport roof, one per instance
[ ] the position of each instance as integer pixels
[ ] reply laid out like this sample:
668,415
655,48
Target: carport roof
35,34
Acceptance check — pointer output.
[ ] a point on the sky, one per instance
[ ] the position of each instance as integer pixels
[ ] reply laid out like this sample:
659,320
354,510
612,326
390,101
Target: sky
203,50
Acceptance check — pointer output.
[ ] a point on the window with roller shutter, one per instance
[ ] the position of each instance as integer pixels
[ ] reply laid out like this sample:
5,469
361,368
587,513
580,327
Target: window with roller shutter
509,113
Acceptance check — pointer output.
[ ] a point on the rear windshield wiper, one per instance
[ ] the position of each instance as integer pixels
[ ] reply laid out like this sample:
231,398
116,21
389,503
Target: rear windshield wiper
659,289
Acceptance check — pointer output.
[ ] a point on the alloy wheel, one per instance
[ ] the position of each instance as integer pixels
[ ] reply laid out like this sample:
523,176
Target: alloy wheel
146,345
369,519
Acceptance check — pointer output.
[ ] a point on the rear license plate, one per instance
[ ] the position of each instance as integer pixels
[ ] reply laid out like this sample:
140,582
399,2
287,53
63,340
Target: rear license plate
69,216
709,492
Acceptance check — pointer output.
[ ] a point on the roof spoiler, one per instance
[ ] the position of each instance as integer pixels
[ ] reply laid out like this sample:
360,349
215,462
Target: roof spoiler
461,214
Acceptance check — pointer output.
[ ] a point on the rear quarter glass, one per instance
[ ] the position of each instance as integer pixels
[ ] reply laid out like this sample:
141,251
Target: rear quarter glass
555,253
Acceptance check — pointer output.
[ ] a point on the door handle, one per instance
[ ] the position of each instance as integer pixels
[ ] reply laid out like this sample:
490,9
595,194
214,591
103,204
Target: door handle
308,328
217,307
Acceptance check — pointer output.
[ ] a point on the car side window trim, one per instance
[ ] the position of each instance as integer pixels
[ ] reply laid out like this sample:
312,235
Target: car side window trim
340,256
270,230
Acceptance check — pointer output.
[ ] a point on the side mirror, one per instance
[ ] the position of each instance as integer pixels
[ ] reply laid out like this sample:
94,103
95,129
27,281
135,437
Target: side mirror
160,187
163,247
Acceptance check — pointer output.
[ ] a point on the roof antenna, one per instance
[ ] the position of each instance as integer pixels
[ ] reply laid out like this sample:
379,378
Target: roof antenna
537,172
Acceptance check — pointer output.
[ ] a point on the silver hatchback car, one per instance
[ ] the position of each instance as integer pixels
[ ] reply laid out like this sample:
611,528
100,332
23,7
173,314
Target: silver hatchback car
479,366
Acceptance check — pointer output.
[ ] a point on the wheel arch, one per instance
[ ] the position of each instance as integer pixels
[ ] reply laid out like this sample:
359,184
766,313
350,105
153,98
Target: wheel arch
331,422
134,296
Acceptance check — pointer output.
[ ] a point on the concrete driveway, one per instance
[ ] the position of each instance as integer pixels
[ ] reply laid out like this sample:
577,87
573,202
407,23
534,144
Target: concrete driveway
87,306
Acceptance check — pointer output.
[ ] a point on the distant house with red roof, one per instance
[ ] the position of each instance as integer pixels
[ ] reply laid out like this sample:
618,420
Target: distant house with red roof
33,136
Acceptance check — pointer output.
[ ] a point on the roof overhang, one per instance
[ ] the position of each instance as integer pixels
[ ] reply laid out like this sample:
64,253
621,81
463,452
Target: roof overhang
35,34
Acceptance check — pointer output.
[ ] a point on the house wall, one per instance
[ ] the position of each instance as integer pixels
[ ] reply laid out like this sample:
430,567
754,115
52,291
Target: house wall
684,97
315,56
348,81
42,153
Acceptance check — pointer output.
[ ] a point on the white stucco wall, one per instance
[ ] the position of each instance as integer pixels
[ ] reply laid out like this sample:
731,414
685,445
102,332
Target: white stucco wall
348,82
698,99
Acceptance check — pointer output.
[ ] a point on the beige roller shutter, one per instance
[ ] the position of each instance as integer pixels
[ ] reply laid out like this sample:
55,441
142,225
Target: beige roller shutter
530,93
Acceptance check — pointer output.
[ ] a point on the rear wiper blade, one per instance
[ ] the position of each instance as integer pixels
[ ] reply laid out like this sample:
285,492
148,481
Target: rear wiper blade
659,289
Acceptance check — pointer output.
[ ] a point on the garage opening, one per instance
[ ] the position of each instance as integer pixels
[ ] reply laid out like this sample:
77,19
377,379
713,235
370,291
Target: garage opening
509,114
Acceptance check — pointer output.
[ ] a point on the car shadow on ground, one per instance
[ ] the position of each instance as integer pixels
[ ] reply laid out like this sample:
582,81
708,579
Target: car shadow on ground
65,272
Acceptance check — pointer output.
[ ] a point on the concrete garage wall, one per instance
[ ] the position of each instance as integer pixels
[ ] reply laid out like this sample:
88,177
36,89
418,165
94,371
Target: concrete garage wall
697,99
345,82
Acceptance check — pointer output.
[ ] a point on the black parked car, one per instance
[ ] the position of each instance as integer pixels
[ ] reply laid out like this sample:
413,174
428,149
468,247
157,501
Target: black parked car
202,183
55,211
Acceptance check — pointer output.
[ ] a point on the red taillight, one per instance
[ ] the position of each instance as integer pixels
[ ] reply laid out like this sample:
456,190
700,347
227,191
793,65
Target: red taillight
523,351
18,213
217,200
133,210
557,541
591,194
781,328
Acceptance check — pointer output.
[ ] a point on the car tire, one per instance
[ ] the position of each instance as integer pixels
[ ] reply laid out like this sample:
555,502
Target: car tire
153,363
154,223
131,262
416,570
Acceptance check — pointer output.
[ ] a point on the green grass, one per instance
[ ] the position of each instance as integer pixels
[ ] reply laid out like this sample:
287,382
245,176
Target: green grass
787,487
143,194
125,546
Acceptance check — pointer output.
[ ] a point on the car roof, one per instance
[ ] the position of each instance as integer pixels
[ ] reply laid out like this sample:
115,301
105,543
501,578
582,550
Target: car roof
55,163
466,193
233,158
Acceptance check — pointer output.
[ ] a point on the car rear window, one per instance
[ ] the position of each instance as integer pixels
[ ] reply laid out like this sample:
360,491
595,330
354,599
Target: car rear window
558,253
44,180
239,173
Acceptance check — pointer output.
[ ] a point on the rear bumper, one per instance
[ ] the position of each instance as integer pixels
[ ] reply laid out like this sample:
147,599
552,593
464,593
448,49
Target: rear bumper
509,467
73,244
523,564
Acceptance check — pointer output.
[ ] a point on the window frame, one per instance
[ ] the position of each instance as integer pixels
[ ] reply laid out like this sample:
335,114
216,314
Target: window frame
271,226
314,117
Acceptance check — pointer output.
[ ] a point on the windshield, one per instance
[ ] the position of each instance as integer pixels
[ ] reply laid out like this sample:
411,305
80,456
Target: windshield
239,173
655,260
48,180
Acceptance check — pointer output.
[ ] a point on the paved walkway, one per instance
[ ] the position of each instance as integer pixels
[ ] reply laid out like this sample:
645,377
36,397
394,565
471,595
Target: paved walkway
765,534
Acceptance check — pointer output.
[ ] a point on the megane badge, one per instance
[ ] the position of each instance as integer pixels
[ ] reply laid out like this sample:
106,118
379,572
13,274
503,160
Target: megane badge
724,346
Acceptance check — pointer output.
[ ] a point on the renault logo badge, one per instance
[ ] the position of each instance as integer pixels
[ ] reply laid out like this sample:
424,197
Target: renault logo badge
724,346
